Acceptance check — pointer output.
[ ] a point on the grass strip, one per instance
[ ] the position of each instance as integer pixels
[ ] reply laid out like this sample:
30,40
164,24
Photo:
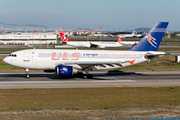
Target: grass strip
89,98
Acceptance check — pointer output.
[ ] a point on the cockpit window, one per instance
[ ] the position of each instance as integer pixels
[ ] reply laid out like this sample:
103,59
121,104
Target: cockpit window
13,55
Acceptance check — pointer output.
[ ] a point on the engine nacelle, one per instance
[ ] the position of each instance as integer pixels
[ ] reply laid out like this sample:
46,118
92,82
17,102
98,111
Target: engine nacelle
88,45
101,46
63,70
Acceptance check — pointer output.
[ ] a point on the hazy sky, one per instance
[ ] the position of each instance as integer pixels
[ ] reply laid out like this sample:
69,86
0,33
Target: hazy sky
108,14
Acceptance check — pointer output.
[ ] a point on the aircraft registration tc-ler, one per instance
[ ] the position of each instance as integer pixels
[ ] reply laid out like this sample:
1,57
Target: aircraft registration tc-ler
74,62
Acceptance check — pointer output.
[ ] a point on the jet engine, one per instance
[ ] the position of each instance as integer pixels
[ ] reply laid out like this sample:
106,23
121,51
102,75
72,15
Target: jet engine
63,70
101,46
88,46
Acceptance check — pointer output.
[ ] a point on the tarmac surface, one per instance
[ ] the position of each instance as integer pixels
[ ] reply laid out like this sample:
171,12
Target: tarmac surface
109,79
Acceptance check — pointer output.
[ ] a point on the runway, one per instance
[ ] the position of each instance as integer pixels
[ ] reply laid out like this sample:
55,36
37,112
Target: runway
109,79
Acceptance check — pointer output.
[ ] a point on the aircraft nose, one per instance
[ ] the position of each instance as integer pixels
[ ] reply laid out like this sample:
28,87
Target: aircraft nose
6,60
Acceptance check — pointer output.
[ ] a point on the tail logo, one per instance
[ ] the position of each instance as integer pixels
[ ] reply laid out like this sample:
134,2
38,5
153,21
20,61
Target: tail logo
64,37
151,40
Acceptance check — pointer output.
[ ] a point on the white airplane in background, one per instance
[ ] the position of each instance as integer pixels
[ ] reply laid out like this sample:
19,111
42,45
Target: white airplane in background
98,35
140,35
89,44
127,43
70,62
132,35
5,32
26,44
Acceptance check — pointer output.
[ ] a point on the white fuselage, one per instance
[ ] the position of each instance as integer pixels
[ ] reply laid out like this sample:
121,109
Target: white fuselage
107,44
126,35
98,44
48,59
130,43
79,44
100,35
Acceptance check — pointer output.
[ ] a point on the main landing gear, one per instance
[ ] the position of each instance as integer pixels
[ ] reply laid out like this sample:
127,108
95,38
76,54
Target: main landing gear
81,75
87,74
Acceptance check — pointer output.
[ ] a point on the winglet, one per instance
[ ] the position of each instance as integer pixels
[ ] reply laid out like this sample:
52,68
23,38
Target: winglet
64,38
152,40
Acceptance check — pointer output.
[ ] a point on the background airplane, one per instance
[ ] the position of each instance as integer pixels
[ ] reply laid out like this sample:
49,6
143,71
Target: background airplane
89,44
127,43
5,33
132,35
98,35
140,35
70,62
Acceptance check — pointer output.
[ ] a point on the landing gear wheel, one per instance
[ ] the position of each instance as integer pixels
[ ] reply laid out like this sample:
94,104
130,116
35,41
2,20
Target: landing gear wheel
27,75
79,75
89,76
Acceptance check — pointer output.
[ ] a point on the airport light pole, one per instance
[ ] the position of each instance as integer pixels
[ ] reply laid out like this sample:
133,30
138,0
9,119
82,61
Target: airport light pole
100,33
33,39
88,34
40,37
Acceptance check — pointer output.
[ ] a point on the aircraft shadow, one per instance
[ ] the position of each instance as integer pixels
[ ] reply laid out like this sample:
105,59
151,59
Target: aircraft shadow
53,76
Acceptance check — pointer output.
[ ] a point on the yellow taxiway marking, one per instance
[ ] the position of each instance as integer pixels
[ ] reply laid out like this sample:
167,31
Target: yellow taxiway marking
119,85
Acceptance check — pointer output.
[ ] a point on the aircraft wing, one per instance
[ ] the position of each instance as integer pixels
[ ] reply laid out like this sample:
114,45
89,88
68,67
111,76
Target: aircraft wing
173,53
94,64
95,45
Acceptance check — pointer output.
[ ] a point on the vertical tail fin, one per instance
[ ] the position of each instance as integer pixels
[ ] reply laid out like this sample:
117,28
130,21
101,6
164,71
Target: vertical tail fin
36,31
64,38
134,32
5,33
152,40
119,39
92,32
144,33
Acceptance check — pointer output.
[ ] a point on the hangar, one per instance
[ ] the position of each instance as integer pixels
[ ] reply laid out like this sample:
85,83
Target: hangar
28,38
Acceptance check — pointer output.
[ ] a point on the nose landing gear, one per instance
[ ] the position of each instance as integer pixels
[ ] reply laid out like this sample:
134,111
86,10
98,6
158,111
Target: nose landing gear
27,75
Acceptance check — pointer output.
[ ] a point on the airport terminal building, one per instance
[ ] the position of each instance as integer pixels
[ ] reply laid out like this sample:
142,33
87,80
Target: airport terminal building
41,38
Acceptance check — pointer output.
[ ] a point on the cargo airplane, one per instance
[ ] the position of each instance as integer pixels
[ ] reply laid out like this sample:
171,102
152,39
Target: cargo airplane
73,62
89,44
